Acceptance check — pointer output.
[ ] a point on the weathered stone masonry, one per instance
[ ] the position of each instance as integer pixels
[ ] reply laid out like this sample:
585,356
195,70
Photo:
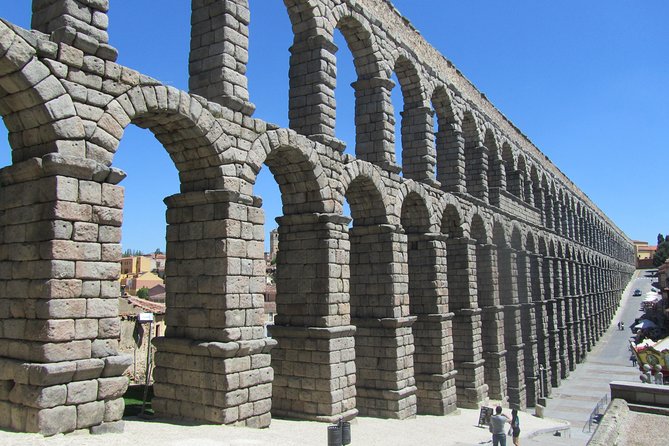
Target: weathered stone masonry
455,278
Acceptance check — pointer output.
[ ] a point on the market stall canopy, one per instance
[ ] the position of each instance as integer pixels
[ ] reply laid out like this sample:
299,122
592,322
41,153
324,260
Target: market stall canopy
644,324
662,344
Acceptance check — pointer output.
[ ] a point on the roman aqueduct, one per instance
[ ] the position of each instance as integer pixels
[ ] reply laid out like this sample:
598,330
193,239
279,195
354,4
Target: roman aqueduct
462,275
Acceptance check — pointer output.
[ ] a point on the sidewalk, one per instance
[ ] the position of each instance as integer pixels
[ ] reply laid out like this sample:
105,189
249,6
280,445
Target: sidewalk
451,430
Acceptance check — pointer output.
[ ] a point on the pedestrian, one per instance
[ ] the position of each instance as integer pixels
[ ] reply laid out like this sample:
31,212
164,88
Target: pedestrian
618,325
497,424
633,359
515,427
622,326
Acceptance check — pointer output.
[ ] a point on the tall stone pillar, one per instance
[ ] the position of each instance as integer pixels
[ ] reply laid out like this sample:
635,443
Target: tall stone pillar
60,230
492,321
451,160
577,310
600,286
515,183
562,288
314,361
552,309
467,342
418,153
541,293
433,331
311,100
384,342
529,192
588,310
513,339
476,171
567,333
528,328
219,51
539,197
549,220
497,180
79,23
375,122
213,364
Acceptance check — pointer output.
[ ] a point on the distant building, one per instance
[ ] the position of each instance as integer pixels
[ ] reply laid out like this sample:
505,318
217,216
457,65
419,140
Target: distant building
273,244
135,265
644,254
137,273
157,263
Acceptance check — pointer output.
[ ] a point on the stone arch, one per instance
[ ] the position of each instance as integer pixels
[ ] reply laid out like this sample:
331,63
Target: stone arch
478,229
411,188
428,303
451,222
499,235
487,300
528,283
511,174
496,173
517,239
296,168
194,139
378,251
508,296
375,133
549,220
537,191
557,209
447,141
525,186
368,202
476,158
415,216
461,271
37,111
418,153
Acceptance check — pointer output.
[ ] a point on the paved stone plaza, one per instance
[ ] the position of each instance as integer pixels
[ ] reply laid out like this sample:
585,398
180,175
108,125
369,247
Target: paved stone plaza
458,277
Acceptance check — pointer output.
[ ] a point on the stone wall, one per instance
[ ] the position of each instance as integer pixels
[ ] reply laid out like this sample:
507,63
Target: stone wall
456,276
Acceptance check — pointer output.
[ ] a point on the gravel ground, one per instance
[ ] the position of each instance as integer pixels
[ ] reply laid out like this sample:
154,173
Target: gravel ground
458,429
644,430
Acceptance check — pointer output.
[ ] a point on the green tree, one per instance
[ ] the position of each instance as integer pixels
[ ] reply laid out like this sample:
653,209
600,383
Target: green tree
143,293
662,253
127,253
158,251
660,238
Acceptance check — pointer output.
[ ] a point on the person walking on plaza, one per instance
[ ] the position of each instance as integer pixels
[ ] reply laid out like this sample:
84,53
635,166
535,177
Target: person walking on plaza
515,427
497,424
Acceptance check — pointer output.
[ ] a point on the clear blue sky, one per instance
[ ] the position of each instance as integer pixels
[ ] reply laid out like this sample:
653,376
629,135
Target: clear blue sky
587,82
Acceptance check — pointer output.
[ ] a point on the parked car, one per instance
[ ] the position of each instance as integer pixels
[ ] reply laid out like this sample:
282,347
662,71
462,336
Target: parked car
637,292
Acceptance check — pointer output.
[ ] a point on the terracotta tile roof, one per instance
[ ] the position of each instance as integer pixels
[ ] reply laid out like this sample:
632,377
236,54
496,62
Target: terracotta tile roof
142,305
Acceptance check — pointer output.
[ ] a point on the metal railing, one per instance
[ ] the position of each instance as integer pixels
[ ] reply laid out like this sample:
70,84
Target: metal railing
597,413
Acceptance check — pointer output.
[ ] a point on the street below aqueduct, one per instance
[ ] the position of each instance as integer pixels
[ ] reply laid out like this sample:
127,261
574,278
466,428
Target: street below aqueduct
608,361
